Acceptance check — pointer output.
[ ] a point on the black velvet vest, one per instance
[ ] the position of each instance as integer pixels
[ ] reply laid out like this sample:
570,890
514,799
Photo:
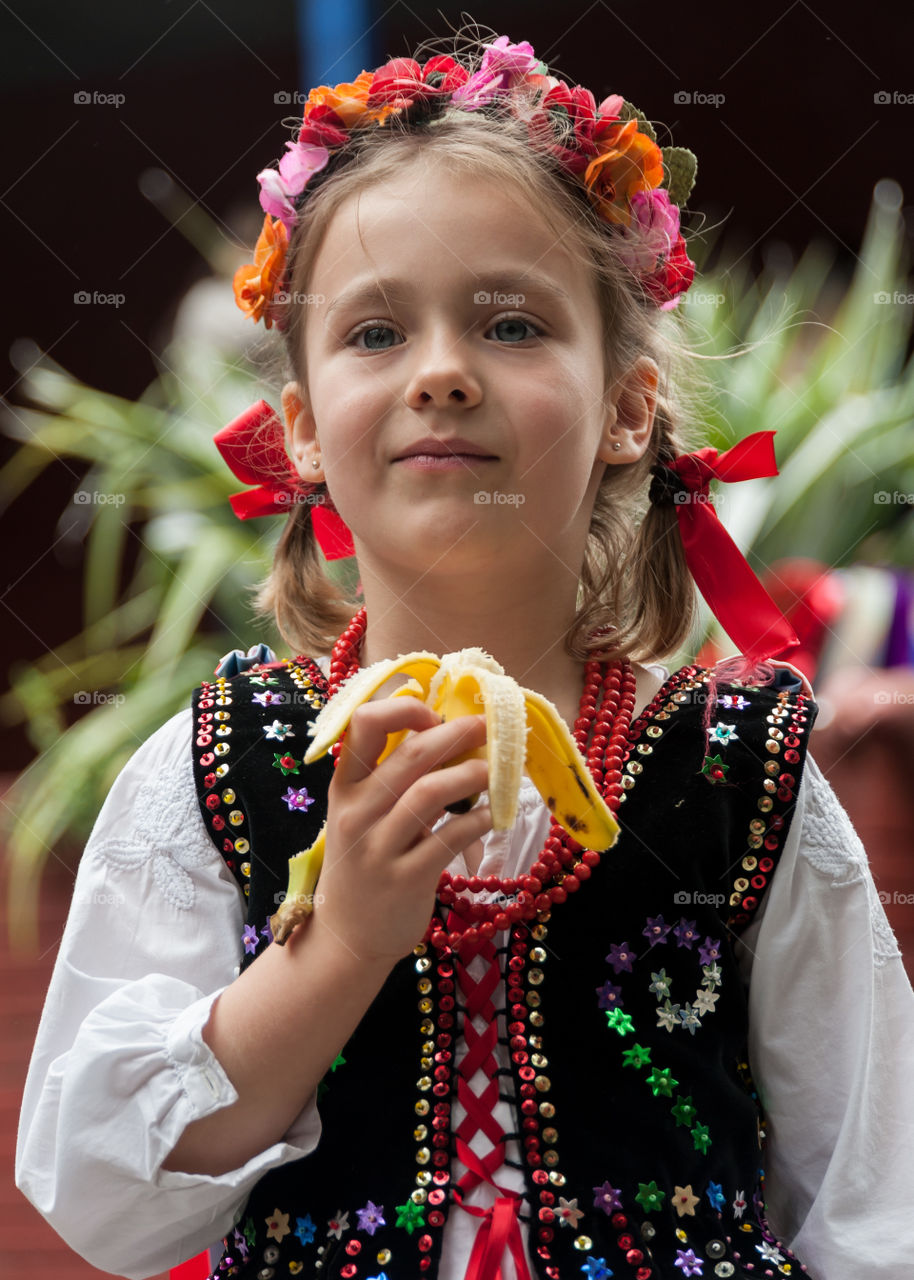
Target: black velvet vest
625,1014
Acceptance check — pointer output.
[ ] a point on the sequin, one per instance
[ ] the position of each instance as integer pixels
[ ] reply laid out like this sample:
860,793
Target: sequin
277,1225
650,1196
724,1269
305,1229
684,1201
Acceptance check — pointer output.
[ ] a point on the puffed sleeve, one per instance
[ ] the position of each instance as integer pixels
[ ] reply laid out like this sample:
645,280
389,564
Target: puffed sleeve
120,1067
832,1043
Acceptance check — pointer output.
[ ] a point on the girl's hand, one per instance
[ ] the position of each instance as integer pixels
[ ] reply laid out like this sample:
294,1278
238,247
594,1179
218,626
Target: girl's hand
382,863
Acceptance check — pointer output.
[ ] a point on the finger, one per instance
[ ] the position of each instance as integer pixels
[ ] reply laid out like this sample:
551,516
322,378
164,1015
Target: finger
417,776
421,806
368,731
437,849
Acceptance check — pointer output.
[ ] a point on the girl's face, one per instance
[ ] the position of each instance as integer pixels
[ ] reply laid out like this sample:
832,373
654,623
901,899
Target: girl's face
446,310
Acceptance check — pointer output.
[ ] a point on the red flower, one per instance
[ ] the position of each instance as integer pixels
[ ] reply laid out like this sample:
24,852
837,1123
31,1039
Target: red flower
673,277
401,81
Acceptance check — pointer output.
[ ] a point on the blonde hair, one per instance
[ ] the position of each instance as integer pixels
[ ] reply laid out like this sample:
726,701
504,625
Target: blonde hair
636,596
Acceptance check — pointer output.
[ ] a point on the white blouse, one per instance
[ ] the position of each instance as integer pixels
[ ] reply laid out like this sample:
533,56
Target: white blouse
120,1067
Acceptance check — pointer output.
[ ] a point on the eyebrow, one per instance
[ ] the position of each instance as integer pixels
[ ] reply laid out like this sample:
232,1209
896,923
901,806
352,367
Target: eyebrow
488,282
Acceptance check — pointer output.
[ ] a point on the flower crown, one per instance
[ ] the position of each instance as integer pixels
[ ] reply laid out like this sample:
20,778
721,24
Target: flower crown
635,186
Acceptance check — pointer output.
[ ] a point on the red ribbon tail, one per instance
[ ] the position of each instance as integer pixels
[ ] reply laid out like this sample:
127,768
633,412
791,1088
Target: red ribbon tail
734,594
332,533
498,1231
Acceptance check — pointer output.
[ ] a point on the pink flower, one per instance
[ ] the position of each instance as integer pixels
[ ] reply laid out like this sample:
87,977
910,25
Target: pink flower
278,187
653,231
503,64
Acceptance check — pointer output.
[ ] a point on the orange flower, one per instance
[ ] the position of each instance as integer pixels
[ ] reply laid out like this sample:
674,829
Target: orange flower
348,101
255,284
630,163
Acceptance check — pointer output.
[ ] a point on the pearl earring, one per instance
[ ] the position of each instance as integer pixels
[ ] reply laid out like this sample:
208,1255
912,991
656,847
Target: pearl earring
315,462
617,444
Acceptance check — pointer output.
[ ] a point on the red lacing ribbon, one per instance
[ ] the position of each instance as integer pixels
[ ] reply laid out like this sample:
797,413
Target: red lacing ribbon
499,1228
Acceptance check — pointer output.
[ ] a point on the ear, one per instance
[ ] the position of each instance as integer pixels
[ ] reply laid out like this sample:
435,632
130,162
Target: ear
300,433
630,413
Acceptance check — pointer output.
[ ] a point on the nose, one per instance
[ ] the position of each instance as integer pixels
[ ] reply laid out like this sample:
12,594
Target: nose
443,375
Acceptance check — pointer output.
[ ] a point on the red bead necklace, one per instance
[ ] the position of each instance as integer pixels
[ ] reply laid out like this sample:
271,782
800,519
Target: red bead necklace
562,864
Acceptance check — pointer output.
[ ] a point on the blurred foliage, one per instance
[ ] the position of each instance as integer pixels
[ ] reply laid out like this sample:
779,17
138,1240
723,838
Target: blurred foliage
168,568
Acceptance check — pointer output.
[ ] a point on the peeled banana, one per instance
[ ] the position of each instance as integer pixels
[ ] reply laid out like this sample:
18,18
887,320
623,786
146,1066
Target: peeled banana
523,730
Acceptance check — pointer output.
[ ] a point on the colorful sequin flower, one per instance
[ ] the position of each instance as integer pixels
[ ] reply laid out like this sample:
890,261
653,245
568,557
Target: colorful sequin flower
250,938
607,1198
723,733
685,933
277,1226
338,1224
305,1228
371,1217
298,799
656,930
608,996
689,1261
620,957
684,1200
278,730
568,1213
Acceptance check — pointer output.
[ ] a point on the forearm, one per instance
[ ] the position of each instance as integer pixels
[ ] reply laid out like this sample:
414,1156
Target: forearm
302,1000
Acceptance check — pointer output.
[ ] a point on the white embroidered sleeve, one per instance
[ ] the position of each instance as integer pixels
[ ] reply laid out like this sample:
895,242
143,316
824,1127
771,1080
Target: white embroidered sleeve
120,1067
831,1042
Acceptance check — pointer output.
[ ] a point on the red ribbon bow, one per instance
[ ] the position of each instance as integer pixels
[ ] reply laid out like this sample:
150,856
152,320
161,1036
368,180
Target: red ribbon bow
738,600
254,447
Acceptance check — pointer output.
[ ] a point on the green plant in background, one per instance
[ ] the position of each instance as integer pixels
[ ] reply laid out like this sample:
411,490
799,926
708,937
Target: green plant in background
168,567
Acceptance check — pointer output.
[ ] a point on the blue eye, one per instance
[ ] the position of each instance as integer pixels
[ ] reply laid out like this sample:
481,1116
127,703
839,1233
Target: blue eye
519,323
375,329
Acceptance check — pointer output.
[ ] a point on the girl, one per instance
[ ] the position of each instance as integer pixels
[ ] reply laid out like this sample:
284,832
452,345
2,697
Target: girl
486,1054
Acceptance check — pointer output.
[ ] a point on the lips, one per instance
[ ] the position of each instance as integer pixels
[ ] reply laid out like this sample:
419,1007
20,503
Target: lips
434,447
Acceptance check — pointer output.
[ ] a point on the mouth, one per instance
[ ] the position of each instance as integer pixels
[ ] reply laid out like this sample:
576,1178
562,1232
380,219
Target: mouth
437,450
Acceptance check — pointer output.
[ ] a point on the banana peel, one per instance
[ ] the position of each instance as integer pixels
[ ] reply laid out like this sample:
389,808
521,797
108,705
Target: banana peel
524,730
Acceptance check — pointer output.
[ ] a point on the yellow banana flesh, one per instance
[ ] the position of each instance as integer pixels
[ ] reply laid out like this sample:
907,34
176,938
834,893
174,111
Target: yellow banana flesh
304,869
